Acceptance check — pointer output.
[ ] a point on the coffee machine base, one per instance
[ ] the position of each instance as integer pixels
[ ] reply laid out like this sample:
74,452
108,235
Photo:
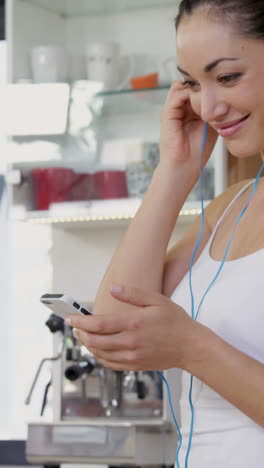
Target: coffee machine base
110,443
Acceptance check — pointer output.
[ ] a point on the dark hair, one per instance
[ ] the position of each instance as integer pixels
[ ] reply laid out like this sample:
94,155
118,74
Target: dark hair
245,16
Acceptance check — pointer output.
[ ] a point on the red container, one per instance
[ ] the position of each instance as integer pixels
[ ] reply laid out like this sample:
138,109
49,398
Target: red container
83,187
145,81
51,185
111,184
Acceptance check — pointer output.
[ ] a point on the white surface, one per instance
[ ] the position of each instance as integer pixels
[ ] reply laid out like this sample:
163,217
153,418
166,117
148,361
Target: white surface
112,207
29,340
4,369
34,109
89,7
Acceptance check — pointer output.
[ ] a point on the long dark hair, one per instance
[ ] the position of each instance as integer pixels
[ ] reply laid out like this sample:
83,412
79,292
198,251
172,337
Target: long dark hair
245,16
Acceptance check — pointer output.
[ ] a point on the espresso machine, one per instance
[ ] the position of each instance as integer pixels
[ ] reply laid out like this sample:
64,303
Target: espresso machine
101,416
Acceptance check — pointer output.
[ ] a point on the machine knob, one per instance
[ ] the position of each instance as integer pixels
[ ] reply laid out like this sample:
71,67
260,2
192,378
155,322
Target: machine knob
76,371
55,323
141,390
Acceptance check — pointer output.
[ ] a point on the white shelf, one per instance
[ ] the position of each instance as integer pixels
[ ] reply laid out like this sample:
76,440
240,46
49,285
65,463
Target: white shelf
70,8
129,101
97,213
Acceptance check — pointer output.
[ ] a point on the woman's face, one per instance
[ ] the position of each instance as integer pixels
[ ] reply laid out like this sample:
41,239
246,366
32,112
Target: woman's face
225,74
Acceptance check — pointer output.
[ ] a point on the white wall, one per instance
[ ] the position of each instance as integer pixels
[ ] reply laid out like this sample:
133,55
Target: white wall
146,31
29,340
80,258
4,371
4,263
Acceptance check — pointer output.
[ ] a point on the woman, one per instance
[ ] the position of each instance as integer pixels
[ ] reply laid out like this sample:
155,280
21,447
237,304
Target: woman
143,306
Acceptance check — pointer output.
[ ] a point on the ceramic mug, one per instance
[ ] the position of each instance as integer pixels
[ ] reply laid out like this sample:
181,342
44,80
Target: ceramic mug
51,185
49,64
105,64
110,184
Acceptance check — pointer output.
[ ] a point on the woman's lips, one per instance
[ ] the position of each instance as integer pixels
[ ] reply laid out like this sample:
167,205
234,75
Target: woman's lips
229,131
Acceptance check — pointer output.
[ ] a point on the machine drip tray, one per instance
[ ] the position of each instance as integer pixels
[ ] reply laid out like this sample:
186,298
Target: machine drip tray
118,444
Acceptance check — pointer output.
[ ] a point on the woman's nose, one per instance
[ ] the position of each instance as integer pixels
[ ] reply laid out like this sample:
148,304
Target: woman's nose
212,107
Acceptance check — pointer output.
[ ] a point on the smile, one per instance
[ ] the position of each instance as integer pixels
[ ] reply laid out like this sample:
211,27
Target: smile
230,131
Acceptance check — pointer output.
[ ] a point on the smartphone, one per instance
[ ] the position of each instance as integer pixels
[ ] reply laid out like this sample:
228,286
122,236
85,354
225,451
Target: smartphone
63,305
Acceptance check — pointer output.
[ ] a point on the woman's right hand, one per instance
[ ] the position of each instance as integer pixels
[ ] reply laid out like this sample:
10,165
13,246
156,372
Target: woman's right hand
182,133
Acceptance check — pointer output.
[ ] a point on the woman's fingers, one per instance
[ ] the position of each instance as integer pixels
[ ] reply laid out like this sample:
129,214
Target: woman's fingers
128,341
116,353
101,324
137,296
115,323
175,104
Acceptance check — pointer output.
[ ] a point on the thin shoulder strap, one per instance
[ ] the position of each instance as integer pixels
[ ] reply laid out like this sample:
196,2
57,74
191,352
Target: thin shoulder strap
230,204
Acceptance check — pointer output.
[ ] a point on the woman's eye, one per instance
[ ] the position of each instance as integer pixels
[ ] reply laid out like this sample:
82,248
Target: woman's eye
229,79
190,83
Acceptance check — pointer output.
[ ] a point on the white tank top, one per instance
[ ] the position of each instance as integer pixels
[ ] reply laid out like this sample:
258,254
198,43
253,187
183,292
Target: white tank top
234,309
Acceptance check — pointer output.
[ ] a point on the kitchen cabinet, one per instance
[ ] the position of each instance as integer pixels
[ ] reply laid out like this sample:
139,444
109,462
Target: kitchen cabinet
142,26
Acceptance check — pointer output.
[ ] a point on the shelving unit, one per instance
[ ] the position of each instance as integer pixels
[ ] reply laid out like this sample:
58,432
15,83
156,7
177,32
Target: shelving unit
103,213
129,101
120,114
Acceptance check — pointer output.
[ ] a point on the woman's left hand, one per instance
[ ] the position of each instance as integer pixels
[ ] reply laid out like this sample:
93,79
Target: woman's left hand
158,334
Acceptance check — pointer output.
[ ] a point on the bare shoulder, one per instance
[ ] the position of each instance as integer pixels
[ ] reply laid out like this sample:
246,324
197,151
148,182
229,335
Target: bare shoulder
216,208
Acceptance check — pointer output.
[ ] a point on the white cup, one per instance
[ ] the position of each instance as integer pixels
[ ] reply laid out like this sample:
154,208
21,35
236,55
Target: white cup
105,64
49,64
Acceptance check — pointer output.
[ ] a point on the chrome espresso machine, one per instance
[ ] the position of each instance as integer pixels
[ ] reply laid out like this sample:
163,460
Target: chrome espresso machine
101,416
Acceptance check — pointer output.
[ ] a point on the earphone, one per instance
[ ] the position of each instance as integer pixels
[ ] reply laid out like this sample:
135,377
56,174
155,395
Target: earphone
196,315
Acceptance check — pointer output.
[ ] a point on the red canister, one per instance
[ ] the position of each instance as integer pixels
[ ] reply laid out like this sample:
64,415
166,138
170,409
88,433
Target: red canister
83,187
111,184
51,185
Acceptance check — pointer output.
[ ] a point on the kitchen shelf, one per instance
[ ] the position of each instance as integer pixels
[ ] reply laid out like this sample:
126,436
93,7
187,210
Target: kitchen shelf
71,8
96,213
82,101
128,101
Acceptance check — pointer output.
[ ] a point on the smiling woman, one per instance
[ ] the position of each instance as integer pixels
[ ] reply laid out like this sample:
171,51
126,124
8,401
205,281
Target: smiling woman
233,65
208,322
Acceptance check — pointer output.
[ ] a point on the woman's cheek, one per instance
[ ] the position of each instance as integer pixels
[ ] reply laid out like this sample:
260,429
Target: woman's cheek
195,103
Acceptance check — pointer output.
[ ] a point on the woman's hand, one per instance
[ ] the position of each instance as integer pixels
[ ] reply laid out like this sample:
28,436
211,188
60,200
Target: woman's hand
182,132
157,334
